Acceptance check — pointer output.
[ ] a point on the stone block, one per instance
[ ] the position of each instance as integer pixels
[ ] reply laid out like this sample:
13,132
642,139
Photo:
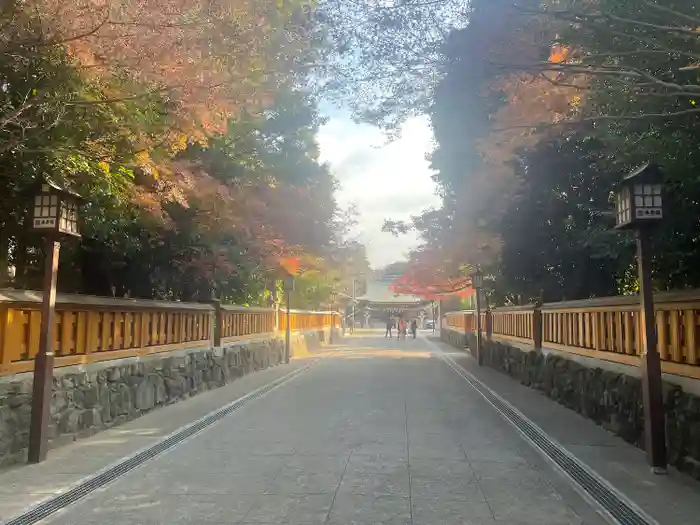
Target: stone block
91,396
86,402
114,374
17,400
160,392
174,388
14,388
90,418
144,395
77,397
121,400
70,421
59,402
79,379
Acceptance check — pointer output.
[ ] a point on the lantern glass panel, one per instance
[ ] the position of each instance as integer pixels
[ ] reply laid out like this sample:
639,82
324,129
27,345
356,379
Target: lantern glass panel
624,205
648,202
69,218
45,210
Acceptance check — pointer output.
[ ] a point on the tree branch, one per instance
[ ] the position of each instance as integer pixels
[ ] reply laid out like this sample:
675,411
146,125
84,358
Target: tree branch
7,119
60,41
556,83
602,118
579,16
599,71
673,12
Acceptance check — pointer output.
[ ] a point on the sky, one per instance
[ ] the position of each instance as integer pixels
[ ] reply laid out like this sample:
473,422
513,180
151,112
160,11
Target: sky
384,180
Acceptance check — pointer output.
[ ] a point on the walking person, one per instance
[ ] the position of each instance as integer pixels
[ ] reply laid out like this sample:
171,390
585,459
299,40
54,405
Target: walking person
389,326
414,327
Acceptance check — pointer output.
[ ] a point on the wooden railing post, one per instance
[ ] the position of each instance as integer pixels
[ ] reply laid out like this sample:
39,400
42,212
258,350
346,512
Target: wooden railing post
467,329
537,326
488,323
218,323
5,340
144,330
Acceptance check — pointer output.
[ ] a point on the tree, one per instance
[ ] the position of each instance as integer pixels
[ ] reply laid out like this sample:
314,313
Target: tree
207,61
383,58
558,241
199,164
240,203
645,50
529,153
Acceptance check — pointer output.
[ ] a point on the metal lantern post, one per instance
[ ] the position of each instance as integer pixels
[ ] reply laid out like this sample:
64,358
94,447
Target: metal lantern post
477,284
334,296
639,206
288,287
354,291
54,213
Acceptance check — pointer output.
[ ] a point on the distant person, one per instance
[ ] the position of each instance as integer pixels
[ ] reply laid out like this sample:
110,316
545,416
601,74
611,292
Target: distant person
389,327
414,328
402,329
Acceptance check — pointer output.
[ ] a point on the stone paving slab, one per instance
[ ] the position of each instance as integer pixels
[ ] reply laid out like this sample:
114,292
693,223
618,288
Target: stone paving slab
381,432
22,486
671,500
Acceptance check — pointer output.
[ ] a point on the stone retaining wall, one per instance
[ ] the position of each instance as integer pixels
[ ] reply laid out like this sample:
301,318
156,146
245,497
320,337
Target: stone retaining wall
88,399
611,399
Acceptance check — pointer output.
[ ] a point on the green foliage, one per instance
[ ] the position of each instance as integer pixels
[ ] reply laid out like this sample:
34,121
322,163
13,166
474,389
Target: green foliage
558,242
384,59
634,65
175,208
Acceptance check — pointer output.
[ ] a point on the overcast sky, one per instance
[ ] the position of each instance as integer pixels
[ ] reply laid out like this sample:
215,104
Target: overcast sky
389,181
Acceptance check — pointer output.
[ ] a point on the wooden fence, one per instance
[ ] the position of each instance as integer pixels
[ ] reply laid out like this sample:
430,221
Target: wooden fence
306,320
90,329
607,328
238,321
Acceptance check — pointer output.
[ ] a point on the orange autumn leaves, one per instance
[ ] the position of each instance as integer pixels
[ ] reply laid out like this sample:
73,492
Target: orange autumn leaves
202,63
559,54
533,102
210,60
536,102
273,223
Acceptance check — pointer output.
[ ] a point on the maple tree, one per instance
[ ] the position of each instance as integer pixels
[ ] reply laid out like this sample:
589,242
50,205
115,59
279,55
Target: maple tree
188,127
206,60
530,144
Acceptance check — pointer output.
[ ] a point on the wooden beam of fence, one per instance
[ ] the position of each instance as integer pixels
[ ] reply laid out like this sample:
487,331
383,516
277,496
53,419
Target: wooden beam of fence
607,328
90,329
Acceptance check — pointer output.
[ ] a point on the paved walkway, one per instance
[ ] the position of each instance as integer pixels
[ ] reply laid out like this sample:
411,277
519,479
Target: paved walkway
379,432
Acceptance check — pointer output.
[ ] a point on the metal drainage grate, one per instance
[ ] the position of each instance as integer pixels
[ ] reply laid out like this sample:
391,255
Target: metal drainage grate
610,500
48,507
